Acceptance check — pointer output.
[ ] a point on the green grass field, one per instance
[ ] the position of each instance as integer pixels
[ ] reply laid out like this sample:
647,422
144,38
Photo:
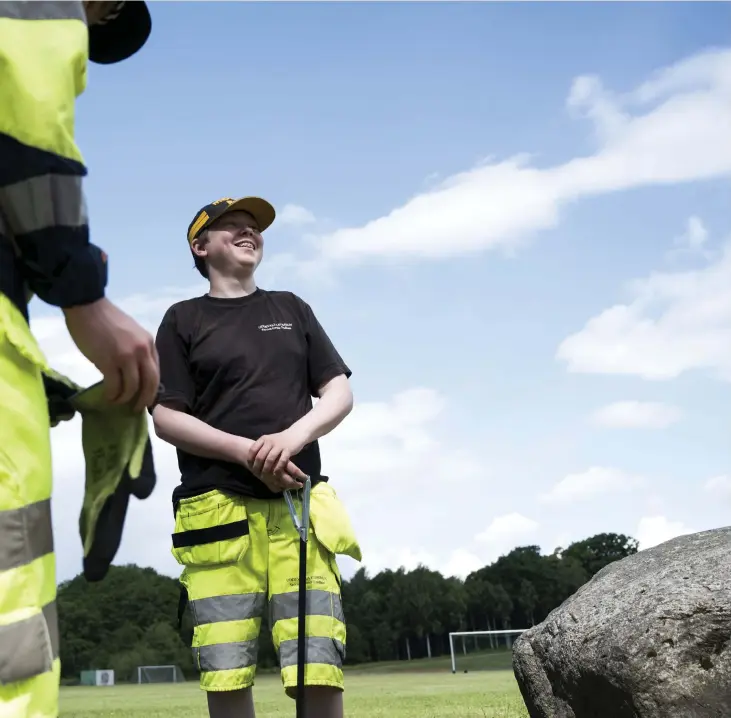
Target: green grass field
417,689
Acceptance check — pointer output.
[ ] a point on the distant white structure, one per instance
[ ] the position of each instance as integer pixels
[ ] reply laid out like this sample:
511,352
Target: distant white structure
160,674
508,636
97,678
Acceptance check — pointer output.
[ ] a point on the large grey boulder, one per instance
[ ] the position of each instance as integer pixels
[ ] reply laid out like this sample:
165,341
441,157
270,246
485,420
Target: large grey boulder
647,637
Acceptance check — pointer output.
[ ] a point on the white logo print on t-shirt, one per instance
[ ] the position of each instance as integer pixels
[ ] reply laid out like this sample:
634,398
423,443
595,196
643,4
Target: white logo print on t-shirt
272,327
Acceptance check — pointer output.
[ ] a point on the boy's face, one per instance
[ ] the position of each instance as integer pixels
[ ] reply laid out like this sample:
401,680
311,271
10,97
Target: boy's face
234,243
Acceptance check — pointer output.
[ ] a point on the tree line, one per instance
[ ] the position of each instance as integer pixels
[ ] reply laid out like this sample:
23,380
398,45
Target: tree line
131,617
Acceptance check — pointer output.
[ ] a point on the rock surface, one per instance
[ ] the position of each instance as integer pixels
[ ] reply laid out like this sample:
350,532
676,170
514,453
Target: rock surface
647,637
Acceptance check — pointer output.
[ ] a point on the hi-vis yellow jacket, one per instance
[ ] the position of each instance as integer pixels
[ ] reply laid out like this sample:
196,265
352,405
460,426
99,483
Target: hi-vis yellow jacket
43,66
45,250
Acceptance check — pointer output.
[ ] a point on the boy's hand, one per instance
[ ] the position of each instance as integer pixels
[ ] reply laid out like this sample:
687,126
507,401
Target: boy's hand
287,479
271,454
286,482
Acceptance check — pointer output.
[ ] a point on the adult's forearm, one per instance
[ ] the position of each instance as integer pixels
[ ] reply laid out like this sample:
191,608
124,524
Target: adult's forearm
333,406
196,437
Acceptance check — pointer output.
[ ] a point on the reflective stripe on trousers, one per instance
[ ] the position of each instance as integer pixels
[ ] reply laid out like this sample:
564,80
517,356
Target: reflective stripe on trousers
29,664
242,654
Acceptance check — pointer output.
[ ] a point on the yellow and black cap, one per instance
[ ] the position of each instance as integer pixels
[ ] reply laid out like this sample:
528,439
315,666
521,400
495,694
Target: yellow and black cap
120,33
258,208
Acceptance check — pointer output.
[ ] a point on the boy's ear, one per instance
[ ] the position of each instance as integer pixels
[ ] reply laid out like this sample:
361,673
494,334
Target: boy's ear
198,248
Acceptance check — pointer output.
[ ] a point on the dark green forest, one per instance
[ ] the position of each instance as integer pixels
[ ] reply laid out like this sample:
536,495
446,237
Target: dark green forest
131,617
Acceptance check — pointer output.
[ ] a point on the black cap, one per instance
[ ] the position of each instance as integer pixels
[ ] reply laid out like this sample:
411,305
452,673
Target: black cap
121,33
261,210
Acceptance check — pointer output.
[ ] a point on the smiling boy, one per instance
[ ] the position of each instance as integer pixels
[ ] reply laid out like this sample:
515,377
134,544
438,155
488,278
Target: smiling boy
240,366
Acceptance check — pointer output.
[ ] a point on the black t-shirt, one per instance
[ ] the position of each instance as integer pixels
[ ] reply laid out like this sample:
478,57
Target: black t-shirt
247,366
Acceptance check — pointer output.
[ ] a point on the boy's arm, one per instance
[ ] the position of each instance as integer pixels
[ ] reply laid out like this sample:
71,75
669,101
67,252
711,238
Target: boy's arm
328,377
335,403
196,437
172,414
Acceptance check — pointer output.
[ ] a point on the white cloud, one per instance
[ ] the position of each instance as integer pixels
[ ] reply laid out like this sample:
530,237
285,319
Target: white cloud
692,243
720,487
507,528
295,215
695,235
654,530
461,563
675,322
595,481
636,415
502,534
671,129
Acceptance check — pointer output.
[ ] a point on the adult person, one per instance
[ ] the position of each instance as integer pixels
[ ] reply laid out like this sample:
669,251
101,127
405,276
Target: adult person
239,368
45,250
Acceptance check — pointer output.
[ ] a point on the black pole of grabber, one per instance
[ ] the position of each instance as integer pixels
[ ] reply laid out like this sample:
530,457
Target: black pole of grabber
302,526
301,632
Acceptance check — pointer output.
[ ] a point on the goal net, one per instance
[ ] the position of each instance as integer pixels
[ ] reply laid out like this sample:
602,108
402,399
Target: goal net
482,650
160,674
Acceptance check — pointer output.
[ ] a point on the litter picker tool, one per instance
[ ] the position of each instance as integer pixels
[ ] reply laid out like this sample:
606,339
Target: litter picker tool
302,525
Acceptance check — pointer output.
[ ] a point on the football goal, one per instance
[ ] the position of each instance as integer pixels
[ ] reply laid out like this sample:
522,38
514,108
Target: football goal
160,674
482,650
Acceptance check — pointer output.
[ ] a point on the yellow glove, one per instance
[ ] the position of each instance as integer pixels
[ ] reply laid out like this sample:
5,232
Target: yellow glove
119,462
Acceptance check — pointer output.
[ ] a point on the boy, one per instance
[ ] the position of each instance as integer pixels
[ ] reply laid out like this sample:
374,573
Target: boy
239,367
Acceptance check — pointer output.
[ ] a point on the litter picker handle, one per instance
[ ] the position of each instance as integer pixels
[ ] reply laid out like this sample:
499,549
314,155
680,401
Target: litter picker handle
302,525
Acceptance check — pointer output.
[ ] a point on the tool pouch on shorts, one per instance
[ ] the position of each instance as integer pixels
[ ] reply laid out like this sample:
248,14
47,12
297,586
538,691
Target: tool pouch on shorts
330,522
119,463
210,529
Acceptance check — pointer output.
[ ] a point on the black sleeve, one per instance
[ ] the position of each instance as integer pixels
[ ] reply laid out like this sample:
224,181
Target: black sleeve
177,386
43,213
323,361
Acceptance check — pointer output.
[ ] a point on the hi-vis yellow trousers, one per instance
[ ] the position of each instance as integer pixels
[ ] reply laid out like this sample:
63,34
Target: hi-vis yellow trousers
240,555
29,663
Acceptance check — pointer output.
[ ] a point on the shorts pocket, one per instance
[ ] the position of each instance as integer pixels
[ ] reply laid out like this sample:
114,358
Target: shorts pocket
330,522
210,530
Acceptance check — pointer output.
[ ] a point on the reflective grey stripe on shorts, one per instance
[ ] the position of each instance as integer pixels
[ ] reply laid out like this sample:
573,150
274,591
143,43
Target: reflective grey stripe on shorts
319,603
29,647
44,202
318,650
226,656
236,607
43,11
25,534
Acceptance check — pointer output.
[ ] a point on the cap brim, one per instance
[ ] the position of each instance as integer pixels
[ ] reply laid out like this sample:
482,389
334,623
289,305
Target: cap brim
258,208
123,36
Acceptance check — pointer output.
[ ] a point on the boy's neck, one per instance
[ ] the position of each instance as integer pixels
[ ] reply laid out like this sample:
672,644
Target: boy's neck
231,287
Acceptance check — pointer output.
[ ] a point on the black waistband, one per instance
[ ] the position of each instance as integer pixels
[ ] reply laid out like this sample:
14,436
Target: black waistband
11,277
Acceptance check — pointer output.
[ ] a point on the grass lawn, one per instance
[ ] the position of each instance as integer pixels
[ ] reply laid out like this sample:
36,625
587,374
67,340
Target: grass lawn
417,689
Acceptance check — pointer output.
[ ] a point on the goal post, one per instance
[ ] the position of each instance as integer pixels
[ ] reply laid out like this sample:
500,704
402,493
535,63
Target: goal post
508,636
160,674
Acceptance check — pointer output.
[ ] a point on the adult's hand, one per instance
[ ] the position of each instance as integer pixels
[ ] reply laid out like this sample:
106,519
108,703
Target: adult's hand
271,453
119,348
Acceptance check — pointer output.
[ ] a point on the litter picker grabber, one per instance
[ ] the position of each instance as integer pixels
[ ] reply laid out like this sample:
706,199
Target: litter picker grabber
302,525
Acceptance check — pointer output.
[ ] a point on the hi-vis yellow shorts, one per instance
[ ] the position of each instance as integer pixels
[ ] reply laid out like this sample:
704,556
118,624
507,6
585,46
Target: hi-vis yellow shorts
240,557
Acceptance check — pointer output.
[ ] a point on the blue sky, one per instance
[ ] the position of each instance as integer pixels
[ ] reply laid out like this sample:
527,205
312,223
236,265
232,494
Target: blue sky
465,191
